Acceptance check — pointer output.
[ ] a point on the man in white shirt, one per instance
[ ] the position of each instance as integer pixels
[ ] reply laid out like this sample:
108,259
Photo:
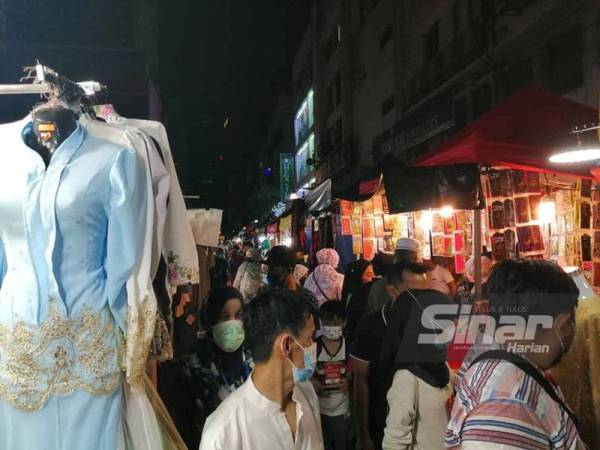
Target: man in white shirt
440,278
277,408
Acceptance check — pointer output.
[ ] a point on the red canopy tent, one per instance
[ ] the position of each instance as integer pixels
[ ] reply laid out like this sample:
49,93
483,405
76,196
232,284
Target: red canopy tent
521,133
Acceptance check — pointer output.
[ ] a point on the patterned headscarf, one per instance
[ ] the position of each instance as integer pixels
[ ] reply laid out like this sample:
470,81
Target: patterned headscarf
325,282
328,256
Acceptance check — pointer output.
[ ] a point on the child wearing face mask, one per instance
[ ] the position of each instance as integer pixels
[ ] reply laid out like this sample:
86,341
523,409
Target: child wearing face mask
331,377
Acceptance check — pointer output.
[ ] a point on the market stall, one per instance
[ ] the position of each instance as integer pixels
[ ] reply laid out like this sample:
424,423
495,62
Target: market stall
542,209
535,208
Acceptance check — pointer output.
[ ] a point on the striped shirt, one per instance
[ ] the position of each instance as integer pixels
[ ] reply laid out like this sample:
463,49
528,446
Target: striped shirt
497,403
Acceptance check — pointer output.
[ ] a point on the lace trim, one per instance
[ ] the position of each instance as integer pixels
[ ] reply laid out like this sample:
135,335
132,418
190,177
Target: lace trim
60,356
140,330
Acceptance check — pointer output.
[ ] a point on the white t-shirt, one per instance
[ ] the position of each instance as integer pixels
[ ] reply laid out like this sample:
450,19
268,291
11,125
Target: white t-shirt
247,420
439,278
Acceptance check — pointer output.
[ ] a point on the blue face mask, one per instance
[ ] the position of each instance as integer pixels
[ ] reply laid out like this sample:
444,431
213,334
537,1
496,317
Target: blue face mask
310,363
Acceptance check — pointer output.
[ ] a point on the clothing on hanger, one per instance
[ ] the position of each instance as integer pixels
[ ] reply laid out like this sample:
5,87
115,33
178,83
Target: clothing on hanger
70,243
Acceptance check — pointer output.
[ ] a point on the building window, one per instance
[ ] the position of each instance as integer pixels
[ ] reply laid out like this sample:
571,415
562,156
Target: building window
432,41
564,62
306,152
388,105
305,118
334,93
333,42
481,99
337,89
386,36
471,14
365,8
457,18
334,135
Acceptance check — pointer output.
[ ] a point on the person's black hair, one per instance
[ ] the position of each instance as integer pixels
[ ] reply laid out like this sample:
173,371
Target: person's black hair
213,305
381,262
404,255
248,244
353,278
530,287
394,272
272,312
332,309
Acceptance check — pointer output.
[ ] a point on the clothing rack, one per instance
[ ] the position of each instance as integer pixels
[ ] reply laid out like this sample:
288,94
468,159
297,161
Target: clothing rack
48,81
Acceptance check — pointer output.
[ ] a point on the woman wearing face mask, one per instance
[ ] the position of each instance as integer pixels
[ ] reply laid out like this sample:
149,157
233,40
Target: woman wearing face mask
216,367
355,294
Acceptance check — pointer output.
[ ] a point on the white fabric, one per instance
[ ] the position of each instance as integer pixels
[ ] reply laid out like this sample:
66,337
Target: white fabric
141,430
417,416
206,226
333,403
141,300
439,278
247,420
179,245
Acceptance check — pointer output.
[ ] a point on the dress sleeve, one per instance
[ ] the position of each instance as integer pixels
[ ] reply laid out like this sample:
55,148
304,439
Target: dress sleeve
2,263
126,217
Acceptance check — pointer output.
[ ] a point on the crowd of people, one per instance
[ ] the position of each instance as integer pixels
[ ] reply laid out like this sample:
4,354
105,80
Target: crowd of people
294,358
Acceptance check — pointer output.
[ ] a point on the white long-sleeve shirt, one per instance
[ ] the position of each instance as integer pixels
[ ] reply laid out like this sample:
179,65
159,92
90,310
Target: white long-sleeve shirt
247,420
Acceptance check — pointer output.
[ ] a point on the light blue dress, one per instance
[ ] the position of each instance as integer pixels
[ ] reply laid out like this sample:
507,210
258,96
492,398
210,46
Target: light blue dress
69,239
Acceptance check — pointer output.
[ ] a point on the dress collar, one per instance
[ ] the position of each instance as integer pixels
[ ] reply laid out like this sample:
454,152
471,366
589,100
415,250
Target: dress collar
65,150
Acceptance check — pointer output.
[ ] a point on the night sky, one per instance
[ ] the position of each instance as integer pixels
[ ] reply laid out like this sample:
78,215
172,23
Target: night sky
217,59
224,59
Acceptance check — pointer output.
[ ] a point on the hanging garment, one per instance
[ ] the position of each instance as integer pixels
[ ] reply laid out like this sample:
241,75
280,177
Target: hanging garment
179,243
71,241
143,320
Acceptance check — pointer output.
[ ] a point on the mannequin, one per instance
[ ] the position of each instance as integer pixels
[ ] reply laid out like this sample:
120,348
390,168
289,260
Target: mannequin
51,126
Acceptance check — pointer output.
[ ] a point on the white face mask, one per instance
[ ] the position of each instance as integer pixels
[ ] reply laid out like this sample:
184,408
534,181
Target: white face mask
332,333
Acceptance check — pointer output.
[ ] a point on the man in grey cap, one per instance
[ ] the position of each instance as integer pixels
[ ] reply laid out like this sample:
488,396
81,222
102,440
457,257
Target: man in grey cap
406,250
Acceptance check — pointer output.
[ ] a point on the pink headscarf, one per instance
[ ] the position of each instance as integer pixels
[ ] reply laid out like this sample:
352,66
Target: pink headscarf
325,282
328,256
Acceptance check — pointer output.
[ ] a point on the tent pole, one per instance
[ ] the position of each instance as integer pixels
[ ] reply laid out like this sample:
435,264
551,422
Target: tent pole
477,250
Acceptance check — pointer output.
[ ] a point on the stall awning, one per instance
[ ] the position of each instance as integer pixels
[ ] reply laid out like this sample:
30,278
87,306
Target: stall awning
415,188
522,133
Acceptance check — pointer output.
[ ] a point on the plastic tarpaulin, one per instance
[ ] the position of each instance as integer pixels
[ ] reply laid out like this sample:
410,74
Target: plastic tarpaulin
521,133
319,198
416,188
